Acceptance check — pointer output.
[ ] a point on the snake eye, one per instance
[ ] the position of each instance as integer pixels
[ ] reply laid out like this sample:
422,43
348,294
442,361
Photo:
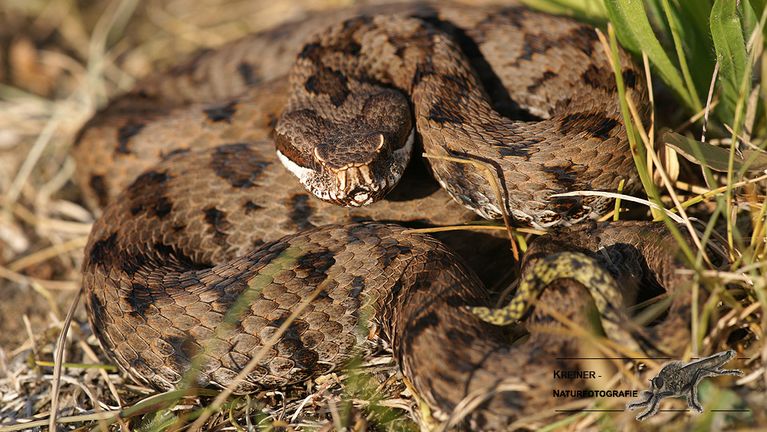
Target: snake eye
657,382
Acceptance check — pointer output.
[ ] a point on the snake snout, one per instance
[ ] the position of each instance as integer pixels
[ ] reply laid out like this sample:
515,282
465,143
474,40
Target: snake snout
362,167
356,186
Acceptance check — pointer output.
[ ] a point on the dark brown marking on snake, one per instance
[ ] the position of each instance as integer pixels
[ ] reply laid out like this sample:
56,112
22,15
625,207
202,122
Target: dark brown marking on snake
455,301
249,207
421,324
421,40
346,45
170,254
533,44
311,52
139,298
598,125
99,187
172,153
519,150
353,24
103,252
247,74
186,348
566,206
237,164
582,38
301,211
461,337
222,112
98,311
424,69
131,264
148,194
125,133
564,175
539,81
218,223
598,78
331,83
629,78
392,253
512,15
439,114
292,344
455,86
396,289
313,266
449,379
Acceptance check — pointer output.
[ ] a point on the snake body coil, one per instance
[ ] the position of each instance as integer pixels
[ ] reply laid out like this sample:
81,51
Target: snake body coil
200,213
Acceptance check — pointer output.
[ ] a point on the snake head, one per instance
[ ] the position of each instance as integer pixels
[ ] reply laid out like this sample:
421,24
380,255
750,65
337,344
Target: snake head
352,160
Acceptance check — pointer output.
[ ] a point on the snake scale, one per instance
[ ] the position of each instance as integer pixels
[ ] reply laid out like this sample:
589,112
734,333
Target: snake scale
198,210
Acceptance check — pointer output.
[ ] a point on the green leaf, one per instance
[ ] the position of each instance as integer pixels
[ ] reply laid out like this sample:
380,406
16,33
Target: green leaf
730,46
713,157
635,33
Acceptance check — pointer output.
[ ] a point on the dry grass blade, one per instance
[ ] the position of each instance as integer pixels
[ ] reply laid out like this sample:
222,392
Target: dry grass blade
474,399
59,359
76,243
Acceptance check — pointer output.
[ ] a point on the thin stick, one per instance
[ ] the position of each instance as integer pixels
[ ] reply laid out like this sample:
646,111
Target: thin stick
221,398
490,176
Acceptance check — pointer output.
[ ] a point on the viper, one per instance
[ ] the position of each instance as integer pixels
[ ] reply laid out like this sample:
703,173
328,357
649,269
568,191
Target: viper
220,181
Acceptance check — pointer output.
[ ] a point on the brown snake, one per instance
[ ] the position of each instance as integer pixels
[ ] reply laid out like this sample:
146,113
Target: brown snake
198,211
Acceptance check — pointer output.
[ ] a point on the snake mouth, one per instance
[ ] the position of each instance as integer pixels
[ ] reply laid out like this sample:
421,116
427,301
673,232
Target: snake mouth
354,184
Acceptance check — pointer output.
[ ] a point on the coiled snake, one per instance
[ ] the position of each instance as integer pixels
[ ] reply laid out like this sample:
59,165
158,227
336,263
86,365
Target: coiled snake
198,212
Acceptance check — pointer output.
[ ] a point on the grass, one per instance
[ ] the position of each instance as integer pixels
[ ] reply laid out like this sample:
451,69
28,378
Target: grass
60,60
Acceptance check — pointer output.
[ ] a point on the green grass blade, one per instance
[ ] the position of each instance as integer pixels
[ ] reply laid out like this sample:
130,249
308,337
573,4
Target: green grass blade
592,11
635,33
730,46
758,6
696,34
675,28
